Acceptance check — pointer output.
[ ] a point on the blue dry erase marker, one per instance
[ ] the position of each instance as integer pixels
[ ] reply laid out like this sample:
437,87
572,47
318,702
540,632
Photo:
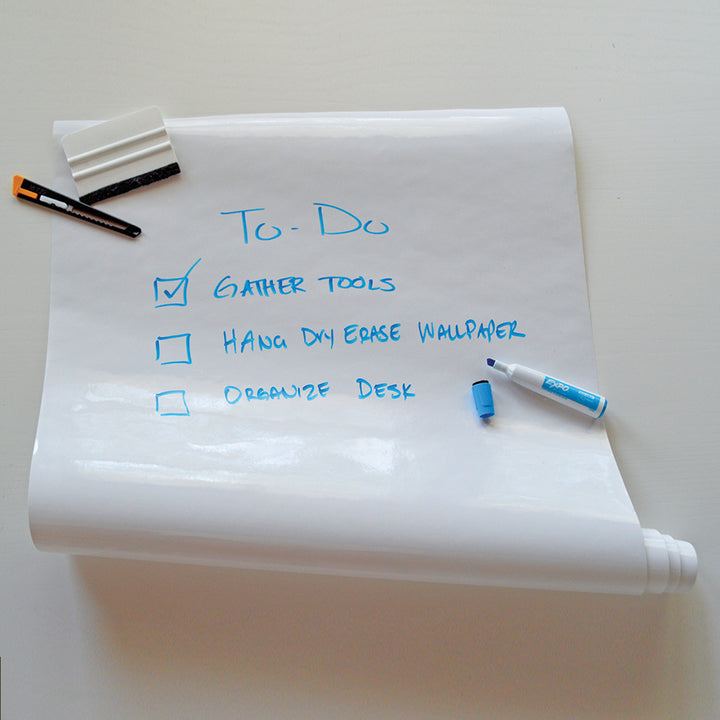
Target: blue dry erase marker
565,393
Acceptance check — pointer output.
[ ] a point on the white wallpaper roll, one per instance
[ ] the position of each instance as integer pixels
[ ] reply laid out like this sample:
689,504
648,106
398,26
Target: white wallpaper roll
277,373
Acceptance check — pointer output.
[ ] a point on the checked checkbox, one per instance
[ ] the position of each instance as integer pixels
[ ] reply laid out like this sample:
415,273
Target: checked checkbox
172,291
173,349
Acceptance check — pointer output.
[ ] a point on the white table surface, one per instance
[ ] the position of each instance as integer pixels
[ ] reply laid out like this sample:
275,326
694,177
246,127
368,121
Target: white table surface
91,638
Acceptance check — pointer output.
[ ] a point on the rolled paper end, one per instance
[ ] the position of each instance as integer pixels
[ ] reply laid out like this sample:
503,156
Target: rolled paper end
672,565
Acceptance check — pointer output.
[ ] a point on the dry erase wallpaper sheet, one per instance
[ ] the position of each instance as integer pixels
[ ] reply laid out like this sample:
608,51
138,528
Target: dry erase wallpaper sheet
278,371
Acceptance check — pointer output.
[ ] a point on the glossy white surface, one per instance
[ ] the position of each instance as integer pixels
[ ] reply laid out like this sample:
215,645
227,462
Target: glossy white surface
103,638
469,221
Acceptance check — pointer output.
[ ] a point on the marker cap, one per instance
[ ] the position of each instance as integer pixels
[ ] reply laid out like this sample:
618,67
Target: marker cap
482,394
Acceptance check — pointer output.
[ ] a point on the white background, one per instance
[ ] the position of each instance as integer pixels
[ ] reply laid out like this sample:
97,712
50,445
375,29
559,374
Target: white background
640,81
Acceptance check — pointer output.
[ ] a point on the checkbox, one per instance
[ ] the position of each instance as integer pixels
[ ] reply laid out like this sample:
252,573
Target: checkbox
171,402
172,291
173,349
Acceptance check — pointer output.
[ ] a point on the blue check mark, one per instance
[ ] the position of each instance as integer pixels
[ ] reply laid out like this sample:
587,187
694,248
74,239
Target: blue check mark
169,294
172,291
